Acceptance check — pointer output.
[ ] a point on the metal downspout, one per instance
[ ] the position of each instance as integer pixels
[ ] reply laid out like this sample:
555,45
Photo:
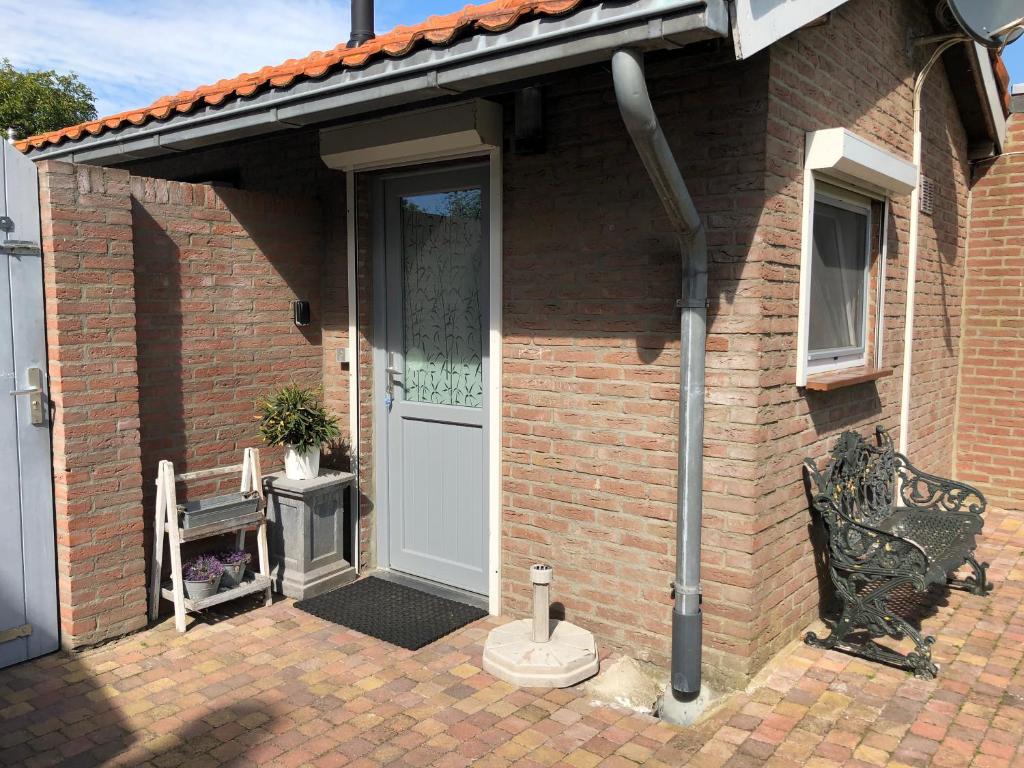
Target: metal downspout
643,126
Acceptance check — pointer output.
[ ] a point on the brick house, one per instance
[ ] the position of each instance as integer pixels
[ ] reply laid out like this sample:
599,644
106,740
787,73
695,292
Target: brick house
176,238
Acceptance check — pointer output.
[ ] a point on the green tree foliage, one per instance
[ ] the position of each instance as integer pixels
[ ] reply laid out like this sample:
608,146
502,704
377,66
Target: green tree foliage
37,102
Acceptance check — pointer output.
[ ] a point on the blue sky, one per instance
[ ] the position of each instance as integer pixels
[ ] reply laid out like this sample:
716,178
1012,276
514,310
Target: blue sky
1013,55
131,53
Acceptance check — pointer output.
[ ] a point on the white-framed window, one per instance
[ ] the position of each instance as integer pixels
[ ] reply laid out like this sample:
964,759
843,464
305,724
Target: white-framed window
847,185
840,279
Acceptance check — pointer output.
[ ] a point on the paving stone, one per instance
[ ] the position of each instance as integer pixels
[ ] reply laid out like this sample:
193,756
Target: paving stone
275,686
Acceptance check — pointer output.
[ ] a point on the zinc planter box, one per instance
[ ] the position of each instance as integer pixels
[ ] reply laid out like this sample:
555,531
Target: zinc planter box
196,514
308,534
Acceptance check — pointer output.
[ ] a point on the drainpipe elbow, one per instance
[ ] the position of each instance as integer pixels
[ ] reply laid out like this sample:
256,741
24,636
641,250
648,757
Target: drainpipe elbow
642,124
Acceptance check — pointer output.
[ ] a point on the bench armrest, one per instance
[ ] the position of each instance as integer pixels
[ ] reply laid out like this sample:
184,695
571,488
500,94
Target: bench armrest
921,490
858,547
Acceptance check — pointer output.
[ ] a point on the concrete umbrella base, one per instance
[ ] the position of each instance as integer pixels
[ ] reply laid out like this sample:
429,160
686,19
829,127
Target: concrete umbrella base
568,657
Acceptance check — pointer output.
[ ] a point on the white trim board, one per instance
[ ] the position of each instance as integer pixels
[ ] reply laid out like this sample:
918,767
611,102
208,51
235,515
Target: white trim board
353,356
496,305
756,24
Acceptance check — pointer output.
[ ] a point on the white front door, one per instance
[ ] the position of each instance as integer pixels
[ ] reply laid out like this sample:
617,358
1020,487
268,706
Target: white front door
433,238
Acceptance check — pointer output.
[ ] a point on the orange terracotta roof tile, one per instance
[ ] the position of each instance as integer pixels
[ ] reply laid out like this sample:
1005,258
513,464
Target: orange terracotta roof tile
497,16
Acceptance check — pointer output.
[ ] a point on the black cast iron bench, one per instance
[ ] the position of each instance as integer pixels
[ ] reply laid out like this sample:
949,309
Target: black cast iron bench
890,527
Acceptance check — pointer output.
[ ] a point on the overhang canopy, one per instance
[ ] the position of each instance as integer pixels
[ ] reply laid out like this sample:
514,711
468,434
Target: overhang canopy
463,128
848,157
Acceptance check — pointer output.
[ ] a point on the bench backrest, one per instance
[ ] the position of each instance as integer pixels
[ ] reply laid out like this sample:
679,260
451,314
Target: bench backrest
860,478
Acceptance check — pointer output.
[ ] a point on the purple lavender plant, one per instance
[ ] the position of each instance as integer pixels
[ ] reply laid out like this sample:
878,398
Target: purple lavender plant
202,568
234,557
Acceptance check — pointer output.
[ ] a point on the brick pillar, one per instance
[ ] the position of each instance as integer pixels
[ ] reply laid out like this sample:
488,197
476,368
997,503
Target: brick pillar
88,264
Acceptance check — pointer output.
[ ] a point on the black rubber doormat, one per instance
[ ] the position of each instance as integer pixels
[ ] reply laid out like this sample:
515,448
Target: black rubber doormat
392,612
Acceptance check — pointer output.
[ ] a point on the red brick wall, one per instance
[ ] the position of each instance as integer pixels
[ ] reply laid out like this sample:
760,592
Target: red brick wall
216,271
852,72
591,275
990,430
591,355
289,166
168,315
90,320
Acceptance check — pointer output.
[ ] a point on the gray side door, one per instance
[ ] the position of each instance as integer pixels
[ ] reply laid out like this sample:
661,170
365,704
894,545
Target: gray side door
28,580
435,241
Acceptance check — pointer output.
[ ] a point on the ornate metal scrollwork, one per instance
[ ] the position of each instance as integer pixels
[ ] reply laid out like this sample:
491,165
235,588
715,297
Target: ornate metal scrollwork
882,516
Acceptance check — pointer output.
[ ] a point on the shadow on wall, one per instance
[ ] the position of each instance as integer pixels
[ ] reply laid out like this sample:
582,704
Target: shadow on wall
216,271
946,223
847,408
158,303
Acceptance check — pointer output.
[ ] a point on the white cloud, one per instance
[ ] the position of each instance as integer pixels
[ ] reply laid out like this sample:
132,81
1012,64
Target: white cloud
131,53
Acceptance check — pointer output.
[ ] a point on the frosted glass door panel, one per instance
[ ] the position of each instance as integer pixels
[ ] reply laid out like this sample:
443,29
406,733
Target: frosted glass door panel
442,250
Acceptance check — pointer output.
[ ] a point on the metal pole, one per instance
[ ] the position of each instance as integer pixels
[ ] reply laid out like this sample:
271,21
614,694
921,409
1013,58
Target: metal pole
540,575
362,23
643,126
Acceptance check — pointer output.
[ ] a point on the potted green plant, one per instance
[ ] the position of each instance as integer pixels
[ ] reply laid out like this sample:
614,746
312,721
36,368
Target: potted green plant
294,417
234,562
202,576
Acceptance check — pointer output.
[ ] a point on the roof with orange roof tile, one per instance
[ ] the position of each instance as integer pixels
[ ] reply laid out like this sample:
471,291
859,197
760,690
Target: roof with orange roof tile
435,31
441,31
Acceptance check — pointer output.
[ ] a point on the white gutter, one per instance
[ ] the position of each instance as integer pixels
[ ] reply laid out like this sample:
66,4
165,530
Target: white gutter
915,225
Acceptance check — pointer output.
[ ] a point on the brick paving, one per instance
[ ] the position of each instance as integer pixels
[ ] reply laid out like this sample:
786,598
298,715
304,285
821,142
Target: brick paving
275,686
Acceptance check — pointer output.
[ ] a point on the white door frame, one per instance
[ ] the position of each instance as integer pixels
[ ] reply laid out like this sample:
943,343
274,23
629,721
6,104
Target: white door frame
494,437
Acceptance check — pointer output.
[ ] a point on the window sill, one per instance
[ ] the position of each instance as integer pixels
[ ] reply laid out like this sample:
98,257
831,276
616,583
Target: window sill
848,377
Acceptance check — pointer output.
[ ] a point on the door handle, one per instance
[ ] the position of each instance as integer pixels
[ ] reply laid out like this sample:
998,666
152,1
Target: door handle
393,369
34,392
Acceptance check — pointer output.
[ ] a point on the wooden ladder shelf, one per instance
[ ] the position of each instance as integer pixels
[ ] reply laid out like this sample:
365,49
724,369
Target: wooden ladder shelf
167,524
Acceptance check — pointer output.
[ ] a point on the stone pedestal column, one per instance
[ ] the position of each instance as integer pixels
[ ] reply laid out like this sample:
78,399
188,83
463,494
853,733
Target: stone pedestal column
308,533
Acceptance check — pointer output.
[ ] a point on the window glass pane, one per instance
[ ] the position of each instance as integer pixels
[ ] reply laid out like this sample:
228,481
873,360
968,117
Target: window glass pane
839,263
442,250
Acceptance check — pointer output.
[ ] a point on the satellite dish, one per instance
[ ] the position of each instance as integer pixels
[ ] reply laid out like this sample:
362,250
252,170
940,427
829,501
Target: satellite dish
993,23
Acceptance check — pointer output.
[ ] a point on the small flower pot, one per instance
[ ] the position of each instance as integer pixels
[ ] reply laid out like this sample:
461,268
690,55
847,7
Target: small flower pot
197,590
301,465
232,575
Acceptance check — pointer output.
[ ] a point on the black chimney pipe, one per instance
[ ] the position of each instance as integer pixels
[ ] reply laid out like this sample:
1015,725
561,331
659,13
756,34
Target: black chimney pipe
362,23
